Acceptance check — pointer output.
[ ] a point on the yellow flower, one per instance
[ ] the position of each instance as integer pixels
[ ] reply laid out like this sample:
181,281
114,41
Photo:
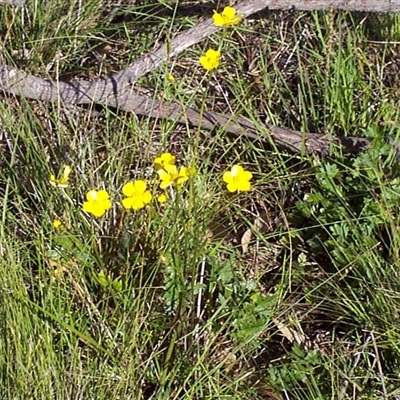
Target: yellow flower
97,202
210,59
136,195
63,180
170,175
163,160
162,198
237,179
56,223
171,78
227,17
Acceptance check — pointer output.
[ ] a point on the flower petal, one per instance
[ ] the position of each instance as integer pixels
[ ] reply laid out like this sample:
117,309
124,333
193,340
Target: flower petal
227,177
246,175
127,203
168,158
102,195
98,212
146,197
87,206
137,203
128,189
228,12
106,204
218,19
165,184
232,187
91,195
237,170
243,186
140,186
171,169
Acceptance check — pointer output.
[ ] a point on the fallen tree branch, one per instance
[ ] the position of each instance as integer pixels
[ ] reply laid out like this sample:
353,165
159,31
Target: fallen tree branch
118,90
13,2
324,5
140,102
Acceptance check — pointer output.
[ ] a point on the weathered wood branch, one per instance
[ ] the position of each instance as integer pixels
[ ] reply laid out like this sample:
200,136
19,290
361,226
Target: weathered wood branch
137,101
323,5
13,2
118,90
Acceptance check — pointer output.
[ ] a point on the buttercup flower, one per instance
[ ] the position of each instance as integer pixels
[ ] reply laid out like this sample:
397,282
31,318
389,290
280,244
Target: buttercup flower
171,78
210,60
237,179
136,195
227,17
170,175
163,160
63,180
162,198
56,223
97,202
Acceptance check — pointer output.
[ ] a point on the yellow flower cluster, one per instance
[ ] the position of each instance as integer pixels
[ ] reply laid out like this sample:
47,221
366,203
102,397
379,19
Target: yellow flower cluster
137,194
169,173
211,59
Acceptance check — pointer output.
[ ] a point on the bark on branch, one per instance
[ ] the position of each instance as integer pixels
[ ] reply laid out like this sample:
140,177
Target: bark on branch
13,2
311,5
118,90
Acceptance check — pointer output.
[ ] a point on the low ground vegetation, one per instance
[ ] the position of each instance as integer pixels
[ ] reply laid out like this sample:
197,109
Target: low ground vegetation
144,259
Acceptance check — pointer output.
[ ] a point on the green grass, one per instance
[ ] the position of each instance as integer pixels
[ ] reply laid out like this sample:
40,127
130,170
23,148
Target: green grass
166,302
